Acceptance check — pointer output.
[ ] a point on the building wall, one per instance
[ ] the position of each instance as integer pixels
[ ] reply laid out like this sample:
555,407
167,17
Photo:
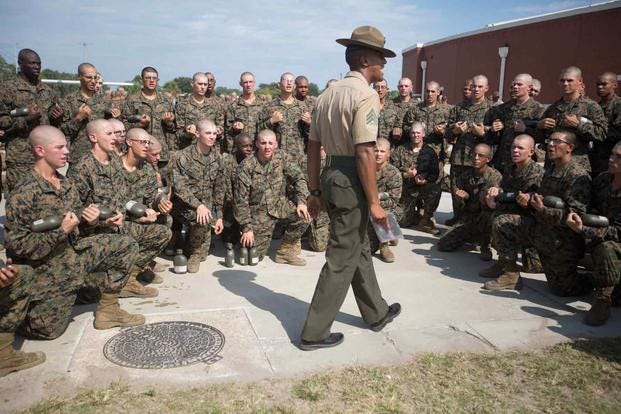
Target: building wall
590,41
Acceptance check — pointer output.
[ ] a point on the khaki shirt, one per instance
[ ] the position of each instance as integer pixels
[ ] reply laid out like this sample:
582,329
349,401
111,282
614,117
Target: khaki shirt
346,114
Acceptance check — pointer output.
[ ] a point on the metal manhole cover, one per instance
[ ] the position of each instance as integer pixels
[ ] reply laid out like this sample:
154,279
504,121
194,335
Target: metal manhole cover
165,345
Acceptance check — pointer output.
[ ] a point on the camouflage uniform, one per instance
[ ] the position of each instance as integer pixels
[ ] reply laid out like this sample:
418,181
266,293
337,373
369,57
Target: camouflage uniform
308,104
388,119
231,231
475,223
59,260
402,109
430,116
463,145
247,113
558,246
426,163
260,198
526,180
318,229
289,132
601,150
137,104
75,132
586,132
142,186
529,112
389,186
189,112
18,93
605,242
198,179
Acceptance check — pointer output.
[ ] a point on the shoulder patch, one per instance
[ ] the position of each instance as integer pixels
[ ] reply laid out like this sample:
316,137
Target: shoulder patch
372,117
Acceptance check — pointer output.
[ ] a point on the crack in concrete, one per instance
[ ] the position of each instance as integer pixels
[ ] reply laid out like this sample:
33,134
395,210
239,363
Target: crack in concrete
474,333
256,334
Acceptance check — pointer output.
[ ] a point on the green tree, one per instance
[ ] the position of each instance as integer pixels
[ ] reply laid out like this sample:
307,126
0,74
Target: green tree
313,89
61,89
136,85
223,90
271,89
182,84
7,71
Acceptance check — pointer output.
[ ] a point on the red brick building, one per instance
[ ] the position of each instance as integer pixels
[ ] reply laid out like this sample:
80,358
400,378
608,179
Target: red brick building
588,37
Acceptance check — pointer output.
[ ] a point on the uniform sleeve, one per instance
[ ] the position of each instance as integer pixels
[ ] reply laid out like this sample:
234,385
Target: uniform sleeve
577,196
294,173
219,190
614,125
22,241
242,186
70,126
452,120
393,187
408,119
597,129
365,120
264,118
181,184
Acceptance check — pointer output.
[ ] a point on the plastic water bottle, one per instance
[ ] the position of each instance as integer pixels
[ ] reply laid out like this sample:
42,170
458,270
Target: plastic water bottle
180,262
229,257
46,224
136,209
243,256
253,256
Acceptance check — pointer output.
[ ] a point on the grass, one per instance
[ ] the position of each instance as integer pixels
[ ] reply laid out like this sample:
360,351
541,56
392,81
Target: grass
584,376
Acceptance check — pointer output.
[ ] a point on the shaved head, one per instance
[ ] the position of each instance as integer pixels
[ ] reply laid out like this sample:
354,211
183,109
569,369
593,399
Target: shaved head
155,144
383,143
525,78
83,67
480,79
44,134
116,124
204,124
609,76
138,133
526,140
96,126
198,75
266,134
572,70
484,148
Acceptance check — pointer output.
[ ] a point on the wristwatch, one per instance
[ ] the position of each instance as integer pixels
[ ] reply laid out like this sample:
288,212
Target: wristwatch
315,193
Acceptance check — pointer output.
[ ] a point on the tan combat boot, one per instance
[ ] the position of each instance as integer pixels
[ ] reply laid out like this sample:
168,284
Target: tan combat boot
600,308
158,267
194,262
386,254
12,360
134,289
110,315
509,279
286,253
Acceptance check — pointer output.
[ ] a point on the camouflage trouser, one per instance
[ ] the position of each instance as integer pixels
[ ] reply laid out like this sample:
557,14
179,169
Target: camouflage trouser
152,238
199,239
606,264
374,242
319,232
263,226
14,173
15,297
472,228
42,308
456,171
559,250
429,194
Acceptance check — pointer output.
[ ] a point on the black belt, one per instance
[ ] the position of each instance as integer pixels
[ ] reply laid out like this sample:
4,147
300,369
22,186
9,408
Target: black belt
340,161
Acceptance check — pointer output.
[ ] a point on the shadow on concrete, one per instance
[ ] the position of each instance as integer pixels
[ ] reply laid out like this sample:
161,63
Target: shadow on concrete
290,311
573,327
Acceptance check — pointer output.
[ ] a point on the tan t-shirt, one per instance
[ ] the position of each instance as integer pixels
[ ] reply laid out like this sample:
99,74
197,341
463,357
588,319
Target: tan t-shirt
346,115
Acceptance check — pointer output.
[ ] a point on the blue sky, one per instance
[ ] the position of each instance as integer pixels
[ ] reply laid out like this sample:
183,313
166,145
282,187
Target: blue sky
228,37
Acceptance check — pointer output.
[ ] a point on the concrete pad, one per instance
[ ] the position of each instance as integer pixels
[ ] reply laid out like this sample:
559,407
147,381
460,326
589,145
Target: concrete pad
261,310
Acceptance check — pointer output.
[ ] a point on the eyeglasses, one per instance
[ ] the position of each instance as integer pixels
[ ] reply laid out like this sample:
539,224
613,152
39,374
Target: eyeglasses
150,78
143,142
556,141
119,132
